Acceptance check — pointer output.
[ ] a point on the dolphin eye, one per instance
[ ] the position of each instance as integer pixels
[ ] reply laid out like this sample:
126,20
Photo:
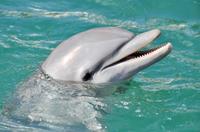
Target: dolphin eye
87,76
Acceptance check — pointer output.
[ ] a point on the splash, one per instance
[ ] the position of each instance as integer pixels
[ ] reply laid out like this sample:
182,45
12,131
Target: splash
41,100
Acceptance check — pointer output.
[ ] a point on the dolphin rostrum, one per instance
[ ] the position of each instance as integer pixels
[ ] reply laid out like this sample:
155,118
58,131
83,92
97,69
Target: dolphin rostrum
101,55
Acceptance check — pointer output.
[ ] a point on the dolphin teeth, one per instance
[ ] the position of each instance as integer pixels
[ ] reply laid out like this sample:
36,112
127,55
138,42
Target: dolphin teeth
148,52
137,55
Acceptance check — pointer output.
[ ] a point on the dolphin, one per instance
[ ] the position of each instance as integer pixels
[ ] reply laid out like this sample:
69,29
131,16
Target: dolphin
65,93
101,55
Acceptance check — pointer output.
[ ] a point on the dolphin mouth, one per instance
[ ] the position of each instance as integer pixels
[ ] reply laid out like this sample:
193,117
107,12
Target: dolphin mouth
140,54
131,58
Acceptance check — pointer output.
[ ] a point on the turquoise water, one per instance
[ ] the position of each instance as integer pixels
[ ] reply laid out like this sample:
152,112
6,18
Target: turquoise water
164,97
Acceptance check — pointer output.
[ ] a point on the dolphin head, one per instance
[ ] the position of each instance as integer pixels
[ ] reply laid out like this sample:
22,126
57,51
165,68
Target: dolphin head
102,55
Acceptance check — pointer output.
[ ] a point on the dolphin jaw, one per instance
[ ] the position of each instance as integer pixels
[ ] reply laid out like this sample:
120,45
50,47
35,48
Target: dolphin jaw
130,59
142,54
132,49
127,67
133,45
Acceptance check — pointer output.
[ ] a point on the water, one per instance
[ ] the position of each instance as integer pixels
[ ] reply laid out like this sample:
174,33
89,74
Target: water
164,97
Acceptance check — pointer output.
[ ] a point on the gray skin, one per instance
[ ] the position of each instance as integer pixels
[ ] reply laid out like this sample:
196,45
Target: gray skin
102,55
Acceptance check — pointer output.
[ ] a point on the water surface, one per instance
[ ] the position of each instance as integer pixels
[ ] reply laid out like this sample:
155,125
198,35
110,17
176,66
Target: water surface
164,97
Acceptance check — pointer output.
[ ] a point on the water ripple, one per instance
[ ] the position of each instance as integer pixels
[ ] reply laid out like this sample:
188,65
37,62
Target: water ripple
165,24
